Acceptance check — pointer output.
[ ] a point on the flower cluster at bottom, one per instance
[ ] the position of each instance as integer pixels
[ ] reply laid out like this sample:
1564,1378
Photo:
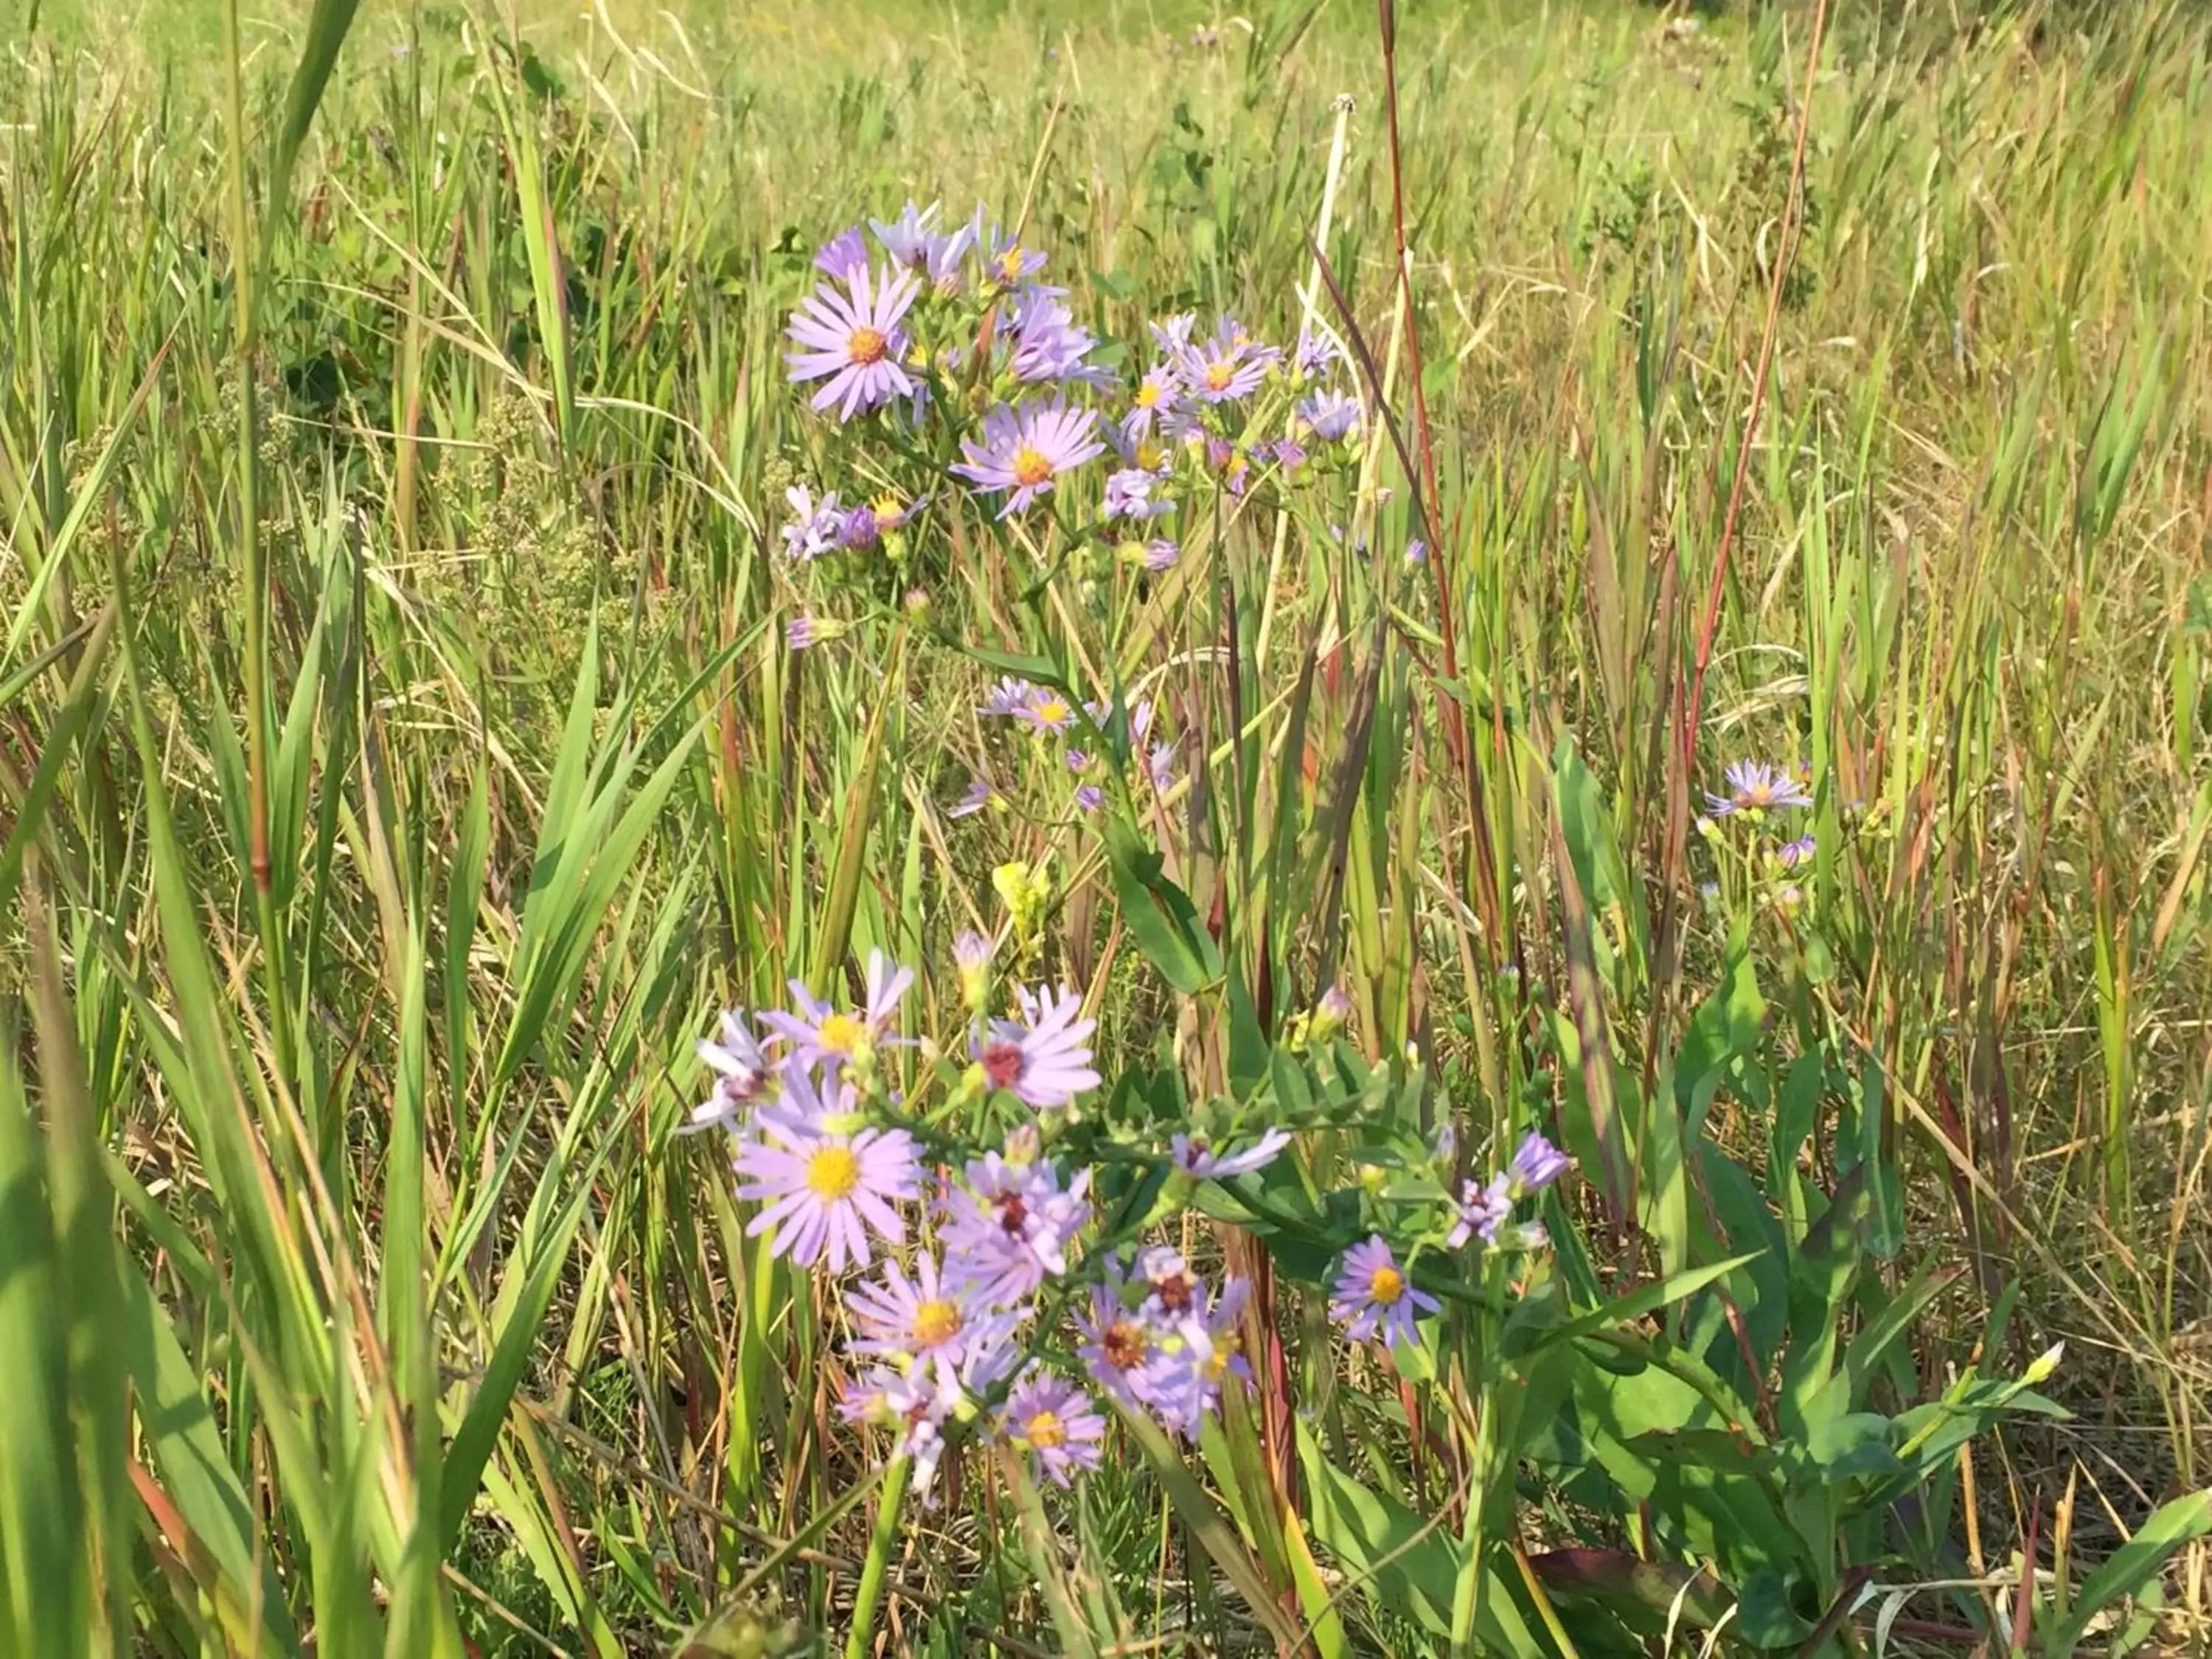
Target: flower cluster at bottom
1017,1318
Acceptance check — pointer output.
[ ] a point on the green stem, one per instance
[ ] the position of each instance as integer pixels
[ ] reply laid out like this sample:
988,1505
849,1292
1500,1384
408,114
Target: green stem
879,1554
253,579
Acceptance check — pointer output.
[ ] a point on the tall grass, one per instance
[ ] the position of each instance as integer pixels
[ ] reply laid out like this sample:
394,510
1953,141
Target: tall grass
402,761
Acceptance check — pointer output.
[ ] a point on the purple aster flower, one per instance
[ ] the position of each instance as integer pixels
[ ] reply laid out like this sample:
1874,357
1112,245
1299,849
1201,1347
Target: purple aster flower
1058,1424
1046,710
1008,697
1316,353
1089,798
1010,1228
814,526
1290,455
804,632
859,529
1126,1357
1755,787
842,255
917,1404
923,1319
1196,1159
743,1075
1334,1009
1025,451
1175,1290
1234,464
1160,554
1043,1058
981,793
1791,853
1220,1322
1229,365
865,1397
1159,766
824,1193
1417,551
855,339
819,1033
1330,416
1146,452
1481,1210
1047,344
1171,335
1154,402
915,245
1005,261
1374,1299
1536,1164
1129,495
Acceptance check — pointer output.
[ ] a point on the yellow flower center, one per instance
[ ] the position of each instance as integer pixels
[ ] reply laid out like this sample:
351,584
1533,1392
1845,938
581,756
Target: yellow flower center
1387,1286
832,1173
1151,453
1045,1431
1226,1346
935,1323
1010,263
1148,394
840,1034
1218,374
1031,465
867,345
1052,711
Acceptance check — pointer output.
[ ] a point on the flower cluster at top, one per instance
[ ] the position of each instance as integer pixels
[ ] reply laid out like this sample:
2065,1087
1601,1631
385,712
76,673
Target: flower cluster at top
1754,793
950,335
997,1301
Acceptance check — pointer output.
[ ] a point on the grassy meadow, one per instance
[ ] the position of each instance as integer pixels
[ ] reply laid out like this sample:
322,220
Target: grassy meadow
418,724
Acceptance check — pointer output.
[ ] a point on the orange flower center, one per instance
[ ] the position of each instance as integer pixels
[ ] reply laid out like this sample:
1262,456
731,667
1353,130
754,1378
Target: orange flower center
935,1323
1125,1344
867,345
1387,1286
1031,465
1219,375
1045,1431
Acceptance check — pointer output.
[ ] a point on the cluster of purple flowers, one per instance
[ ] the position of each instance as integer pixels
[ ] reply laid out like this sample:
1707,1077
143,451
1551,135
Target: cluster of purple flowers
936,302
947,1333
1161,1340
1048,714
1486,1207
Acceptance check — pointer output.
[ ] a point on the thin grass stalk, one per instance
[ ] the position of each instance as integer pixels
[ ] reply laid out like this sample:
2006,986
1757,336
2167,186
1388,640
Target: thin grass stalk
252,578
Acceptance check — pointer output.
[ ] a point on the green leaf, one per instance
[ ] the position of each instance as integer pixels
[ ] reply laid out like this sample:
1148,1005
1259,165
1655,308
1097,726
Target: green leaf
1646,1298
1159,915
327,27
2135,1564
1399,1560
